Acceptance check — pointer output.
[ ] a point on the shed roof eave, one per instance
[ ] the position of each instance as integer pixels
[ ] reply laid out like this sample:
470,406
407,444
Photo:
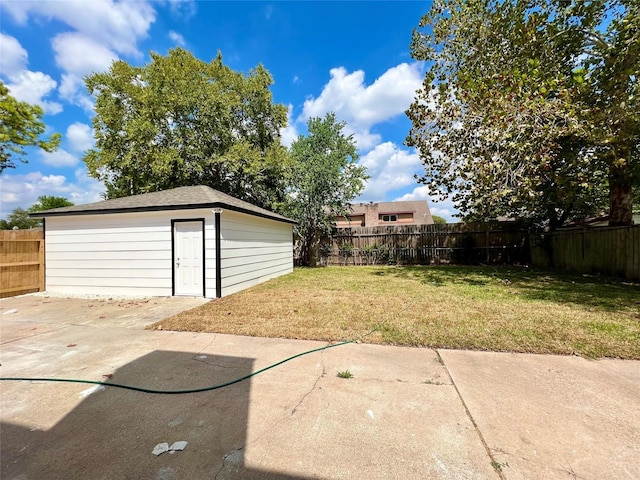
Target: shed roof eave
222,205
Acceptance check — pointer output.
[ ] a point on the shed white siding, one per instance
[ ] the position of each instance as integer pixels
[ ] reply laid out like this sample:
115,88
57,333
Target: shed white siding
253,250
119,254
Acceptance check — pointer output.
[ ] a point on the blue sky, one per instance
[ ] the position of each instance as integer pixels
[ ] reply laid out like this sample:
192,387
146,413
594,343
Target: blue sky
351,58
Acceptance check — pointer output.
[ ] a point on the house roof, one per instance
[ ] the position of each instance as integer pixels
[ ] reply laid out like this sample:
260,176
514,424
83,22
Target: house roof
384,208
599,221
181,198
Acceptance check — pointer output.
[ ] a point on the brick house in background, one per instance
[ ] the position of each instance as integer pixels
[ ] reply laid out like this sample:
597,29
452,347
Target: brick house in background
386,213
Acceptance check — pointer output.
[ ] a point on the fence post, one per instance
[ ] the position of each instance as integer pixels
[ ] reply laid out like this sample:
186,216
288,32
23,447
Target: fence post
41,267
486,247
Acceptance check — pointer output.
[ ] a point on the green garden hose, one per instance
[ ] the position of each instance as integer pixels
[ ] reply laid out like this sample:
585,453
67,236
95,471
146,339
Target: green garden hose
204,389
176,392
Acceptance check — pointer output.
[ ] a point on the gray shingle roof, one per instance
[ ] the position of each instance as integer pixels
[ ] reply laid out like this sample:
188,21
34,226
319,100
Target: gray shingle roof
199,196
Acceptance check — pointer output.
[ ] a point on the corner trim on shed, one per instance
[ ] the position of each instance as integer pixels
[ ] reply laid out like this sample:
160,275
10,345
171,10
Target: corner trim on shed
218,254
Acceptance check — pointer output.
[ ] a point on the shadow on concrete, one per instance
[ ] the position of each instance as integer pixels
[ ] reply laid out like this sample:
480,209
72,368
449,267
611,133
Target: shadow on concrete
111,433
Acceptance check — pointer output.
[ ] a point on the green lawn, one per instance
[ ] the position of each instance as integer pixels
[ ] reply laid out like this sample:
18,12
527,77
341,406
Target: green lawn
511,309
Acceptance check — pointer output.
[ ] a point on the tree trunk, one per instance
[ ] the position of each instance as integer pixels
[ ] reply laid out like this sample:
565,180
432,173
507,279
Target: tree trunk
313,251
309,251
620,195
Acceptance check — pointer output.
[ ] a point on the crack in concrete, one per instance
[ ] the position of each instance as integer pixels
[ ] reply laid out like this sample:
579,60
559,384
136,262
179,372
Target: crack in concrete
295,408
277,422
198,357
224,460
494,462
34,335
215,476
315,385
408,382
215,364
204,350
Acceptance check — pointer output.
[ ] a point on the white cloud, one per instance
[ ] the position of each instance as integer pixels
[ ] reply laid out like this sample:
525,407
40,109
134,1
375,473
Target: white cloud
176,38
71,89
19,14
289,133
69,86
363,106
365,140
101,30
31,87
444,208
387,155
80,136
59,158
116,24
24,190
390,168
13,58
80,54
183,8
23,84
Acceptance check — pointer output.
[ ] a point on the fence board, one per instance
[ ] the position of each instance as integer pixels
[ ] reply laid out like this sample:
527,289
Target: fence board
493,243
613,251
21,262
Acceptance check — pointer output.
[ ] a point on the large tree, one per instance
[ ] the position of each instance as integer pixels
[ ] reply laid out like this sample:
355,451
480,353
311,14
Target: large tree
19,217
323,180
21,126
48,202
530,109
181,121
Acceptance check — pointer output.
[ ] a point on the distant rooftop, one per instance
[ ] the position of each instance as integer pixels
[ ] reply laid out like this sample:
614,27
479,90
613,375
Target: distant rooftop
390,207
373,214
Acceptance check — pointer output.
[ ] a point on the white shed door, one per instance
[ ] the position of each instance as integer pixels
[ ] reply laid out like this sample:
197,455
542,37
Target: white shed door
188,257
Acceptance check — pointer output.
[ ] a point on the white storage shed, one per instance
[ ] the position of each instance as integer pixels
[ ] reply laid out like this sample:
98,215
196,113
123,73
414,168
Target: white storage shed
192,241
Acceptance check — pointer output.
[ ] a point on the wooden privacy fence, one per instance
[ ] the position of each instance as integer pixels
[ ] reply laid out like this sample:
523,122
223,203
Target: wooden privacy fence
21,262
611,251
491,243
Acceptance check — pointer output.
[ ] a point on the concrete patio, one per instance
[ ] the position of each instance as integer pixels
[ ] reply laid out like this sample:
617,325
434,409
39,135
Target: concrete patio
407,413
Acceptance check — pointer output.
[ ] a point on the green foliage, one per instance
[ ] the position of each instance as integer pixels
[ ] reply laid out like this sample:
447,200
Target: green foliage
346,249
19,217
180,121
369,254
530,109
324,178
21,126
344,374
438,220
498,466
325,249
48,202
376,254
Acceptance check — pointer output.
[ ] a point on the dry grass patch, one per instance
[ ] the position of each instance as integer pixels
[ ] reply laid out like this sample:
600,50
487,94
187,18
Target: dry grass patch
500,309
